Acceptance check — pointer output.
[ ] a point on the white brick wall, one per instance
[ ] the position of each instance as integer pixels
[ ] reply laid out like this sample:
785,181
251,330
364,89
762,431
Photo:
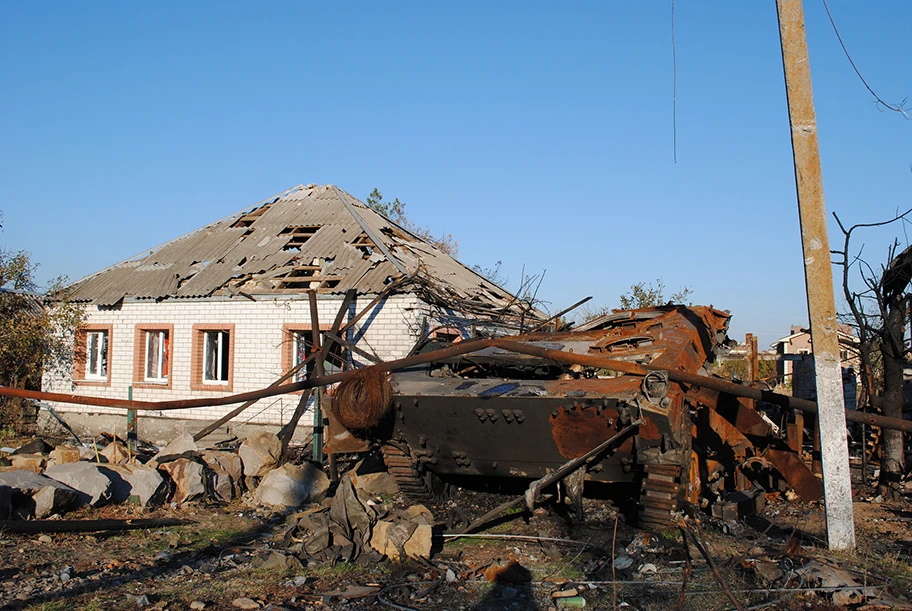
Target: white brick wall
389,331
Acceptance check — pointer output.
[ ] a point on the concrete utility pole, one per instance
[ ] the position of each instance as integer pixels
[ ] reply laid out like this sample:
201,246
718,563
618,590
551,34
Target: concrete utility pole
837,484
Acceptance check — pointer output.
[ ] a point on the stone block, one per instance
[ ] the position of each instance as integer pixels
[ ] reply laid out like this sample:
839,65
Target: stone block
189,479
92,486
28,494
292,486
28,462
139,483
260,453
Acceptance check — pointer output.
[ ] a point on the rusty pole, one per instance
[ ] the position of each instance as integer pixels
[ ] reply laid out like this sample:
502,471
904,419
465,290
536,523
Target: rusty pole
818,275
750,357
755,357
753,364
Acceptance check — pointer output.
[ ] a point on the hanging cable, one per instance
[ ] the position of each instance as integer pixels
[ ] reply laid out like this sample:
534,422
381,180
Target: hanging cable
900,108
674,88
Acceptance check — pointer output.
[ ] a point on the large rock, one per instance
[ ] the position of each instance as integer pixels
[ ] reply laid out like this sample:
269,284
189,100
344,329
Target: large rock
219,483
224,464
181,444
419,544
92,486
137,483
189,479
292,486
260,453
28,494
398,538
28,462
116,453
64,454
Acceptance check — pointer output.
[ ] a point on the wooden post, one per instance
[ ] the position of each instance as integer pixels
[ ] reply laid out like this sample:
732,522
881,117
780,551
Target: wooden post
818,275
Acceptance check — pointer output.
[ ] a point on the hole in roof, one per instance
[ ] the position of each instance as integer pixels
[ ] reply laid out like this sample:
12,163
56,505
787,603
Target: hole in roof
298,235
364,244
250,218
396,232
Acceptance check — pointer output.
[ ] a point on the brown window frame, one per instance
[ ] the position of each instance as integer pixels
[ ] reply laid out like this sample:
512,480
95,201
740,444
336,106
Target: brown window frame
288,344
139,355
80,356
197,359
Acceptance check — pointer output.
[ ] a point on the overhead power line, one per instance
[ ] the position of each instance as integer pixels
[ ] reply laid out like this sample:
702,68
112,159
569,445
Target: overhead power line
900,108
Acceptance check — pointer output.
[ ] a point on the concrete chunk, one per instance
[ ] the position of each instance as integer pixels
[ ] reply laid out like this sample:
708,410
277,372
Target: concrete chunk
189,479
228,463
31,495
92,487
140,483
181,444
260,453
64,454
292,486
28,462
116,453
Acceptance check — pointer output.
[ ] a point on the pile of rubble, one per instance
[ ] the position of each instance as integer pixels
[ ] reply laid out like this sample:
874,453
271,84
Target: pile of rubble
354,525
38,480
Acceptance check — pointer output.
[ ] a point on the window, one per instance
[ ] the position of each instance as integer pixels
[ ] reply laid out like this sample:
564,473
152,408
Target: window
212,363
152,356
158,346
300,349
96,355
92,355
297,347
215,357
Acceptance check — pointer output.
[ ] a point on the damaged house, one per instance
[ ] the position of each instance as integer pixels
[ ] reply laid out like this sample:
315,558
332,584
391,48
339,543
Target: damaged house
225,309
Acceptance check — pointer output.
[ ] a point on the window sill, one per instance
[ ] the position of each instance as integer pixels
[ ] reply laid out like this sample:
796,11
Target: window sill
91,382
147,384
213,386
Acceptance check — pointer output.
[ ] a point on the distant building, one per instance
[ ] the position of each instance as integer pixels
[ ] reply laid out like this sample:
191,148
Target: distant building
796,363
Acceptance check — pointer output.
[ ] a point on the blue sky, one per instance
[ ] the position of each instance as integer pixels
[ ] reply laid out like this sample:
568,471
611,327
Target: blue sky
538,134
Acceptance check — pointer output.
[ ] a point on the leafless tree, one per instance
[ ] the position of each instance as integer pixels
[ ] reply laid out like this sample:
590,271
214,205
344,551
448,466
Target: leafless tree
878,314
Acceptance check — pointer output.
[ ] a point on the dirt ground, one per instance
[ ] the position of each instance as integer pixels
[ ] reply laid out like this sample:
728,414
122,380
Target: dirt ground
228,554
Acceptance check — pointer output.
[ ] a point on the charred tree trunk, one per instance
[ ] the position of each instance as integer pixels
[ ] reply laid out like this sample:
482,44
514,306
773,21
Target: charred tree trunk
892,463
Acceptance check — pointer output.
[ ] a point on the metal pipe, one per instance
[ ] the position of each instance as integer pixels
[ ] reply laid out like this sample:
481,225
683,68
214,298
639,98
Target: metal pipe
692,379
464,348
410,361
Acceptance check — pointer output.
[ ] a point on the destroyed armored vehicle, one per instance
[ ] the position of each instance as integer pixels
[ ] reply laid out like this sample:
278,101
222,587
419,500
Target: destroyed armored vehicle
523,406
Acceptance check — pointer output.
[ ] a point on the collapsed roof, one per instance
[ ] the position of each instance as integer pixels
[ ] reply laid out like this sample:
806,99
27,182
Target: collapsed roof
310,237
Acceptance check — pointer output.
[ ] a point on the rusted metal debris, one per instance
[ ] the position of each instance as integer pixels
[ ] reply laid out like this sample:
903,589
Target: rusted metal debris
522,407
